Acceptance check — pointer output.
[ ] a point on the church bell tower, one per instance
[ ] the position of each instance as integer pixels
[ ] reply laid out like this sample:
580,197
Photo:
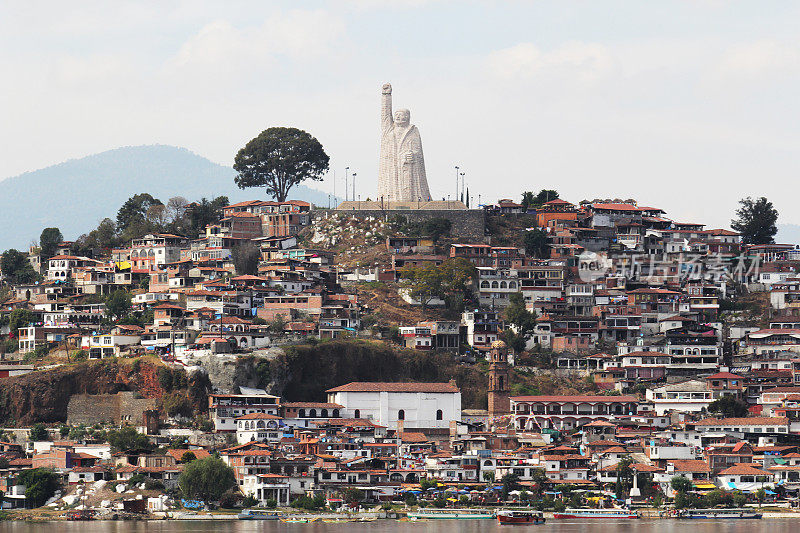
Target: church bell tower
499,402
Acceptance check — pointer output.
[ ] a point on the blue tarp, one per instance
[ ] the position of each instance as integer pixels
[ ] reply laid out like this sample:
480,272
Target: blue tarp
732,485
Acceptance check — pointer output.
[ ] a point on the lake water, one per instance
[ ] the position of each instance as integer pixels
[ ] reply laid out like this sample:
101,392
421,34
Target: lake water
392,526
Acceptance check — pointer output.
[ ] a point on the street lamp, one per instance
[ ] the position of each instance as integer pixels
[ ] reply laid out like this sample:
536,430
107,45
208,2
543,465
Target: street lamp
354,185
457,169
346,170
462,186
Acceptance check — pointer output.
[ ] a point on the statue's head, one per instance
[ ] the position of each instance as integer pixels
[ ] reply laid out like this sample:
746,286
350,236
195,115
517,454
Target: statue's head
402,117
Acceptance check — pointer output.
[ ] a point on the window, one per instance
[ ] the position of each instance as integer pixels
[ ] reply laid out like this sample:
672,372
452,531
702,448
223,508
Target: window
401,414
357,413
439,414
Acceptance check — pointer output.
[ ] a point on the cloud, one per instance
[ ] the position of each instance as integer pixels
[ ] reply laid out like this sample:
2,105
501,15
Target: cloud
759,58
294,35
525,61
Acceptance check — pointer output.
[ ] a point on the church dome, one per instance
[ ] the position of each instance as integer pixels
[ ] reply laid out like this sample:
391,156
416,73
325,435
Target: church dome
498,344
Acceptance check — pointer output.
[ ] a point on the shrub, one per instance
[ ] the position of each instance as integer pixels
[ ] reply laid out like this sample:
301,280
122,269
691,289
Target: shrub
229,499
249,501
38,432
272,503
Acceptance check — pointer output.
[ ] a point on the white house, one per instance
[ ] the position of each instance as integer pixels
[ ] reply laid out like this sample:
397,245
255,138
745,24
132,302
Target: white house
260,427
745,478
689,396
224,409
416,405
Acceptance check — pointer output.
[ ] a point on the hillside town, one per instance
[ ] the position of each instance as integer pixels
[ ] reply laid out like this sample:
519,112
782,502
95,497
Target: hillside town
589,354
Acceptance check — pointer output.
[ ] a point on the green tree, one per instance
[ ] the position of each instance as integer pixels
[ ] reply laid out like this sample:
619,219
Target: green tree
517,315
16,267
528,200
188,457
539,477
40,485
49,240
197,215
128,439
761,495
134,211
536,243
728,406
206,479
352,495
755,220
246,257
625,475
118,304
510,482
103,237
278,159
449,281
680,484
436,227
38,432
544,196
20,318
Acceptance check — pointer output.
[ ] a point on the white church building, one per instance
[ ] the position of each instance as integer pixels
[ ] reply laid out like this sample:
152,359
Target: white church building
417,405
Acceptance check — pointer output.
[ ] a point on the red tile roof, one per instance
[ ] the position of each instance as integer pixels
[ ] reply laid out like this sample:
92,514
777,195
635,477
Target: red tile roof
575,398
690,465
743,470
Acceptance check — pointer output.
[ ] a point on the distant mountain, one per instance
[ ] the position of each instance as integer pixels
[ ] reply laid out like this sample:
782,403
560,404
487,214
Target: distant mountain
788,234
75,195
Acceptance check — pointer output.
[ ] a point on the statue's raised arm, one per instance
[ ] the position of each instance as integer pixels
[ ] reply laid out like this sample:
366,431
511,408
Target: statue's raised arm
386,105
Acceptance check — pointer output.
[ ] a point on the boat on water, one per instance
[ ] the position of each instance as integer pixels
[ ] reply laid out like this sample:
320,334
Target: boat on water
297,520
596,513
509,517
257,514
719,514
451,514
81,514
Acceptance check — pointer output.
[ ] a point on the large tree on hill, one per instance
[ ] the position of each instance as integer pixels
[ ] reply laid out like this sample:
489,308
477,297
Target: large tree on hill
536,243
134,210
198,215
206,479
728,407
755,220
278,159
449,281
16,267
524,321
49,240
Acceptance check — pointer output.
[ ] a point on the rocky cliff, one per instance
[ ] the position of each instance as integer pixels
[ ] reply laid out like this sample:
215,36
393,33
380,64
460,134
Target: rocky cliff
43,396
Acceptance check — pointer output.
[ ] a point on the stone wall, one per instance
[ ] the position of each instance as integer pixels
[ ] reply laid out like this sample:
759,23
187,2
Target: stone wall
123,407
466,223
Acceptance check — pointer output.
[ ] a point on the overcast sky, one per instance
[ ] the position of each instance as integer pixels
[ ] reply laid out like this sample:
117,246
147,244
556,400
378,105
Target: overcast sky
685,105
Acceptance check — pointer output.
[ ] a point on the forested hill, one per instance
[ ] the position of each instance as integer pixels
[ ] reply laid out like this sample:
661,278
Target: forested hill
75,195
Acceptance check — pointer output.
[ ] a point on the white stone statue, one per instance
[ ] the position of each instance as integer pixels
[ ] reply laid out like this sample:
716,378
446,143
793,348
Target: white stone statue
401,170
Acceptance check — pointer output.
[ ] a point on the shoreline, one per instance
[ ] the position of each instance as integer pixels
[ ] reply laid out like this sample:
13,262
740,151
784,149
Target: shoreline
180,516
